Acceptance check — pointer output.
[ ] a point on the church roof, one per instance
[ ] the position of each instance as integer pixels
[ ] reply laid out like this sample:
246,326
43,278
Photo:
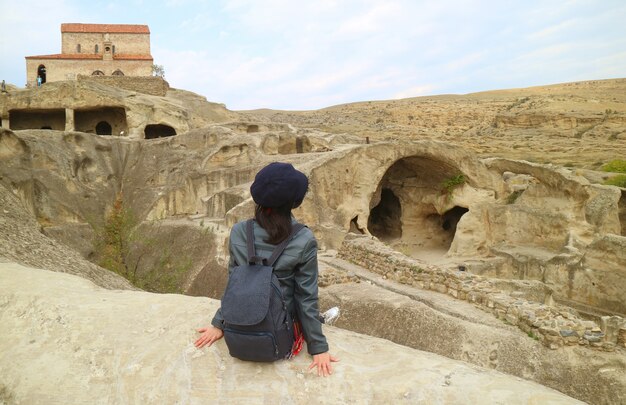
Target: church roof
105,28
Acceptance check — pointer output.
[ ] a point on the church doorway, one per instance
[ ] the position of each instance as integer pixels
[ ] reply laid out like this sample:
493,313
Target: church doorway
41,72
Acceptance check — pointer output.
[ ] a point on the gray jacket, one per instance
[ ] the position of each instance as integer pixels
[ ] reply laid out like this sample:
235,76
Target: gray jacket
296,270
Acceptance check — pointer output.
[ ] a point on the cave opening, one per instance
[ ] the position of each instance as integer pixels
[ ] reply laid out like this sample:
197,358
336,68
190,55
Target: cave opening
385,218
107,120
37,119
103,128
449,221
412,212
153,131
452,217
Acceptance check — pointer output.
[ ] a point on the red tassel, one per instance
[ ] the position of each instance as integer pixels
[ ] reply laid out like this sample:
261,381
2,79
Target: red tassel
298,342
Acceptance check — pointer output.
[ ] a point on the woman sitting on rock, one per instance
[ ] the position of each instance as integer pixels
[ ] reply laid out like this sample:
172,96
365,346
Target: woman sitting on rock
276,190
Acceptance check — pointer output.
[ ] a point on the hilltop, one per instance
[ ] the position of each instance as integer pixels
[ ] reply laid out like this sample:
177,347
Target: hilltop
581,124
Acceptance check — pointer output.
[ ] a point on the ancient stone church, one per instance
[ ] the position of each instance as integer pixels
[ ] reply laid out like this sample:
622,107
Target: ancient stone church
95,50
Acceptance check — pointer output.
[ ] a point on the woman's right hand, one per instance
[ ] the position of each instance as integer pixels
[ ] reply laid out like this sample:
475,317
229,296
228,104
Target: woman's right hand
322,362
209,336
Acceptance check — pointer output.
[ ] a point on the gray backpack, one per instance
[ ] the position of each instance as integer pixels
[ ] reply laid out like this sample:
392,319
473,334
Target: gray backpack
257,323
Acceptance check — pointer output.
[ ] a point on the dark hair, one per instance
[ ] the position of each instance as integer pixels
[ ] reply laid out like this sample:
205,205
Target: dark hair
276,221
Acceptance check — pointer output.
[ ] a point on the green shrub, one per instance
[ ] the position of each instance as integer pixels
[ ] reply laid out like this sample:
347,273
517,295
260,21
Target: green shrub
453,182
121,248
615,166
619,181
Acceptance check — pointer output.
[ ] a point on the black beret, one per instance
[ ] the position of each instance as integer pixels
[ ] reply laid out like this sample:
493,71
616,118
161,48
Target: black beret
279,184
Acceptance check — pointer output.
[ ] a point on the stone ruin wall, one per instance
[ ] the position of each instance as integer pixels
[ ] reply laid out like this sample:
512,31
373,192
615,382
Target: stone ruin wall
555,326
155,86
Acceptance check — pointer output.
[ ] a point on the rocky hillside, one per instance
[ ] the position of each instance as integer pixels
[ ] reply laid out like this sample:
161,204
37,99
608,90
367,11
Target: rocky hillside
579,124
21,240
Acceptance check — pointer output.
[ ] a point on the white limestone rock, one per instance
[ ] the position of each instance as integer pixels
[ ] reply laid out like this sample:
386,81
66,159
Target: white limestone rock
65,340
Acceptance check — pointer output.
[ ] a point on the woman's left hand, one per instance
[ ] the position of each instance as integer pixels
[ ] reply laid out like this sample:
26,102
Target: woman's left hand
209,336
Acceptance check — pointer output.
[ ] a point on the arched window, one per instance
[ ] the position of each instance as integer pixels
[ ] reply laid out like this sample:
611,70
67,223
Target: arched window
118,73
78,48
41,72
97,73
113,49
96,49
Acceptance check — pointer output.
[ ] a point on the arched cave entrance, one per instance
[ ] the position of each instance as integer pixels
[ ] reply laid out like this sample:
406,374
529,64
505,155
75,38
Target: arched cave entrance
104,128
117,73
158,131
41,72
412,209
385,218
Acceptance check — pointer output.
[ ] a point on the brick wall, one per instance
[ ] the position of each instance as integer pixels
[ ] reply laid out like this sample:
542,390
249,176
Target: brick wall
137,44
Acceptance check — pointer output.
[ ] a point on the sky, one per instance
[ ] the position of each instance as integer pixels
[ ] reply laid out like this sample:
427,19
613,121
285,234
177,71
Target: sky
302,55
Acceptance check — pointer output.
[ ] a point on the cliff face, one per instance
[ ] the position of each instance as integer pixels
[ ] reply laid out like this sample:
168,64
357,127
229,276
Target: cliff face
129,347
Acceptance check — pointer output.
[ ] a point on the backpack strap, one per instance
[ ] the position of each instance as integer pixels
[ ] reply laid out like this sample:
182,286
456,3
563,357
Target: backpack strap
278,250
252,257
